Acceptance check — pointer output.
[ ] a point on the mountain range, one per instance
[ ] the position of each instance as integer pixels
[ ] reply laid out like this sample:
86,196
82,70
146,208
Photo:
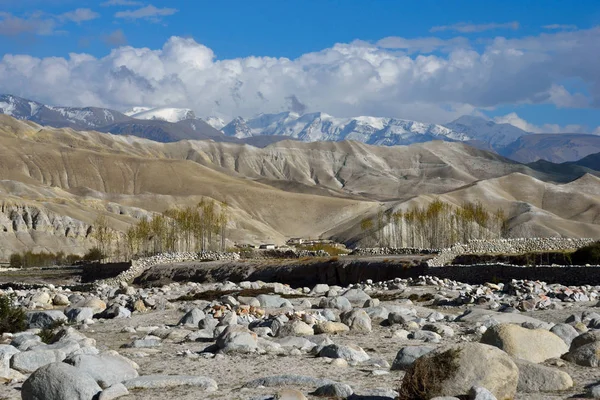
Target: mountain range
55,182
168,124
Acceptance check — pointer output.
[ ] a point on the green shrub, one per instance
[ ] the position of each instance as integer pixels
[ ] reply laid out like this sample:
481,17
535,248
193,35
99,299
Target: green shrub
587,255
94,254
12,319
16,261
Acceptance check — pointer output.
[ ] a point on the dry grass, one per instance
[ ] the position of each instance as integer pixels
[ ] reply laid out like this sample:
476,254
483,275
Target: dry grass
424,378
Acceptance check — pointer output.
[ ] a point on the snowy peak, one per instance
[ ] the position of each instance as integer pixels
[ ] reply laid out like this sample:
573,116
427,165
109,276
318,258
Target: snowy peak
18,107
496,135
136,110
320,126
168,114
216,122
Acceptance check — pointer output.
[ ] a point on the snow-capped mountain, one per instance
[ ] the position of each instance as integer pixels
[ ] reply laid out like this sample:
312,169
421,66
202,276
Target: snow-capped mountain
73,117
320,126
136,110
215,122
489,132
163,113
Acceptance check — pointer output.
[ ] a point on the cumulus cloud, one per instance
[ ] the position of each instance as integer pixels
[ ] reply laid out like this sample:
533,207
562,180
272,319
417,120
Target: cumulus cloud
423,45
465,27
115,38
344,80
515,120
149,13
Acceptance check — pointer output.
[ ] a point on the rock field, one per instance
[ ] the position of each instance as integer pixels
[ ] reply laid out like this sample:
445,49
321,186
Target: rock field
418,338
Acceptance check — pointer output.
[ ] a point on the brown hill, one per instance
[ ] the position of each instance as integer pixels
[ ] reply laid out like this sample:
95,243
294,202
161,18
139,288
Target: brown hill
66,178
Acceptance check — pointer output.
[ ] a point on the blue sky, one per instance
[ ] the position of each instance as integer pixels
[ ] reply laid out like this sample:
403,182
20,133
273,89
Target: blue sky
523,62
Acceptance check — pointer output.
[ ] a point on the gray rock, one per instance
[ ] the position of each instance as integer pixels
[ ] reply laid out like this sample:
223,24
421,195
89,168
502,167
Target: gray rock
29,361
6,353
338,303
299,343
358,320
440,329
59,381
534,345
192,317
534,378
288,380
115,311
566,332
272,301
79,314
399,318
114,392
168,381
337,390
587,355
454,369
106,369
426,336
237,339
45,319
407,356
350,353
143,343
25,340
209,323
594,392
295,328
480,393
357,297
378,312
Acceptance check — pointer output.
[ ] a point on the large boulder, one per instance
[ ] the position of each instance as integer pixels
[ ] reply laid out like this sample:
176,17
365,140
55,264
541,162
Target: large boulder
295,328
236,338
453,370
192,317
407,356
358,320
357,297
106,369
350,353
339,303
587,355
534,378
29,361
59,381
534,345
566,332
45,319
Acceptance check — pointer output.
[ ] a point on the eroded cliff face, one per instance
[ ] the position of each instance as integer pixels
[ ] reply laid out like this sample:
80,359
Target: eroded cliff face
26,227
25,218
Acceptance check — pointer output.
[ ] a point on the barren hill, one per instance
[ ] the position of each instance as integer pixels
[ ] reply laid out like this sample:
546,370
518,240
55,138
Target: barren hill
55,182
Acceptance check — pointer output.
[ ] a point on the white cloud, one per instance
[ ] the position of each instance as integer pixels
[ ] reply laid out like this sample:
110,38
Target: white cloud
79,15
559,27
149,12
520,123
115,38
40,23
121,3
345,80
423,45
465,27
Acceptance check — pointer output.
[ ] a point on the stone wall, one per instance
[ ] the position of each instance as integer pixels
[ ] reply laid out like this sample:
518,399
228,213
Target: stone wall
507,246
391,251
140,265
